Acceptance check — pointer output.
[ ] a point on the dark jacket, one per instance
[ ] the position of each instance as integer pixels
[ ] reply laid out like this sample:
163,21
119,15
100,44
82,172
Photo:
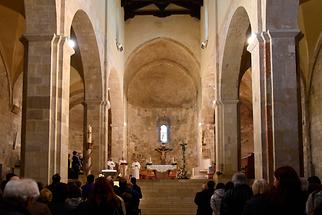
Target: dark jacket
12,208
258,204
292,202
114,207
234,200
202,199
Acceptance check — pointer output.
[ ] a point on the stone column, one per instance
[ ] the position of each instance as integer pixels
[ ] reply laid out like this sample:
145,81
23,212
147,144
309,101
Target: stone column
227,155
46,107
284,98
261,79
95,110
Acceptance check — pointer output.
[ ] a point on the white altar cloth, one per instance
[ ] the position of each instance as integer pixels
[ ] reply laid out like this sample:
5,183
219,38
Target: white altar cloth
161,168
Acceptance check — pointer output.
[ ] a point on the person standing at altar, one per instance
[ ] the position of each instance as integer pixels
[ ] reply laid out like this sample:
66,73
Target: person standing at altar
136,166
110,164
122,167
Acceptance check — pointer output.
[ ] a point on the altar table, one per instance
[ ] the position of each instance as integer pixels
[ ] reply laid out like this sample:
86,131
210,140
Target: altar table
161,168
163,171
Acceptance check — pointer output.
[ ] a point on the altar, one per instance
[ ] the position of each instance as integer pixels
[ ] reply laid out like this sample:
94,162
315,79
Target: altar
163,171
161,168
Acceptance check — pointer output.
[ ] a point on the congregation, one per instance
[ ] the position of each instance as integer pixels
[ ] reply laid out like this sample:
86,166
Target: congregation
289,194
97,196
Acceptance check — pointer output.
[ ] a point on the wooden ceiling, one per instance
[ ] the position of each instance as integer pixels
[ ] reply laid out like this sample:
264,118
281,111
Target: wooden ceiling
161,8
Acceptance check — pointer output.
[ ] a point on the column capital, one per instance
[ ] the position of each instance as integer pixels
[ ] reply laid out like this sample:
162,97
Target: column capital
282,33
39,37
258,39
219,102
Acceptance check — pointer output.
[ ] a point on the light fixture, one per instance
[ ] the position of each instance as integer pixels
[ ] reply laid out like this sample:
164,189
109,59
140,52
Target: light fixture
251,38
119,46
71,43
204,44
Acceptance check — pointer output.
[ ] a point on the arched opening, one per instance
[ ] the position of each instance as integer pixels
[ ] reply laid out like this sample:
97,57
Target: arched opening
116,117
234,129
315,98
162,88
12,55
85,94
246,141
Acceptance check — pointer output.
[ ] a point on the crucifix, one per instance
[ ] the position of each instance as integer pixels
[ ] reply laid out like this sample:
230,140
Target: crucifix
163,150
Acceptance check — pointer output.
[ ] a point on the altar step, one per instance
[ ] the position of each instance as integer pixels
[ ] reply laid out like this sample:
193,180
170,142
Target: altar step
169,197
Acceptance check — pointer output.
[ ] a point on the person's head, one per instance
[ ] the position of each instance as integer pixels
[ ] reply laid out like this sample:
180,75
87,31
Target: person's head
60,192
260,186
133,180
239,178
122,182
220,186
229,185
103,190
56,178
21,191
90,178
314,180
46,195
210,185
314,184
286,179
74,153
9,176
74,191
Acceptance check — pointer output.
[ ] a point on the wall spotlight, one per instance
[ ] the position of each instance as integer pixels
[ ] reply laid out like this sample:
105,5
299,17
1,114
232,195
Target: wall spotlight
204,44
251,38
71,43
119,46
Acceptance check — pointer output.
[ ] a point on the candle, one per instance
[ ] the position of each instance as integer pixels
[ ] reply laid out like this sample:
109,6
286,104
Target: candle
172,161
89,134
150,160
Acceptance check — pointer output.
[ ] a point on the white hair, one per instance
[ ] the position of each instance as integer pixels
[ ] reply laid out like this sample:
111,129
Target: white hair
239,178
21,189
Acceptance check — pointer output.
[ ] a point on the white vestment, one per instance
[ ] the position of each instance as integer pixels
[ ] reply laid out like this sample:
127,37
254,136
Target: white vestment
136,169
110,165
122,168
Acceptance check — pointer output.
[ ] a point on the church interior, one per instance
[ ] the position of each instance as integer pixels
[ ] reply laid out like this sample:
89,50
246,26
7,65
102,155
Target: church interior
228,84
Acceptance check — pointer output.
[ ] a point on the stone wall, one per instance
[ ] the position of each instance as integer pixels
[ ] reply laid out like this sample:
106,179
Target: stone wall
316,117
10,127
76,123
143,134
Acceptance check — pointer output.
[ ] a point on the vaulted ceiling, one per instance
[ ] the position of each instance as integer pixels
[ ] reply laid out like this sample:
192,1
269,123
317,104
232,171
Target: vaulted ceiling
161,8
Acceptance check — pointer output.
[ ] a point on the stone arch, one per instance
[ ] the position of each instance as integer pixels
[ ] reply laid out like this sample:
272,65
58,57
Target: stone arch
227,129
117,115
233,49
315,113
3,58
87,43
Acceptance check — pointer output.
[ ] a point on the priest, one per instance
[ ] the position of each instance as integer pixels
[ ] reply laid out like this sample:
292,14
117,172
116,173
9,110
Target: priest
136,166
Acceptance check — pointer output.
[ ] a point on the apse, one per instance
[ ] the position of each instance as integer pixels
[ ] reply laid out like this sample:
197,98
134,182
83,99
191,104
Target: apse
162,89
